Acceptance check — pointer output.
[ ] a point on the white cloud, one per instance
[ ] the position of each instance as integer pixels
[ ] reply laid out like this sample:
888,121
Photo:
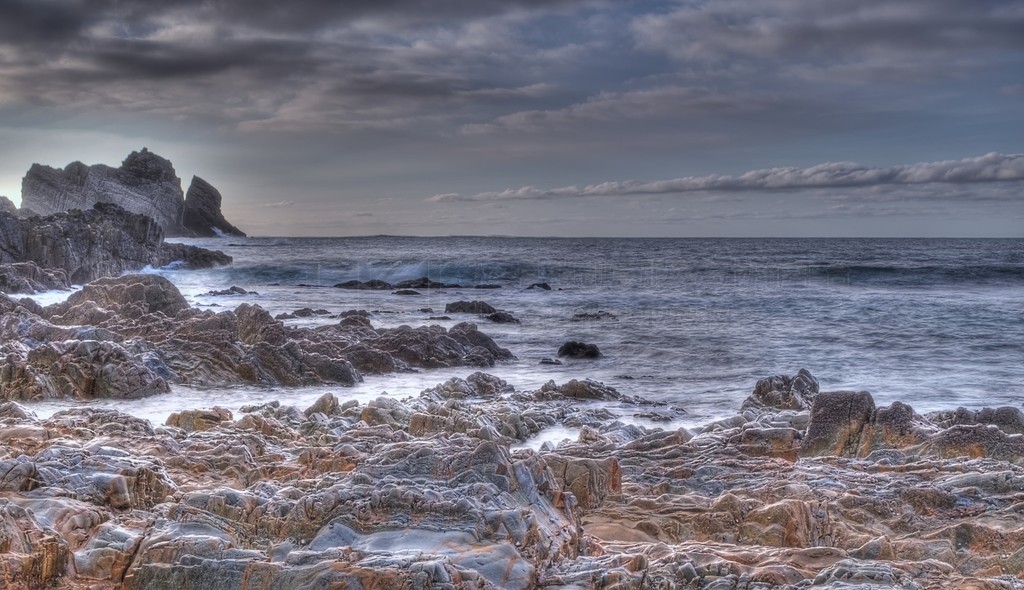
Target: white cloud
992,167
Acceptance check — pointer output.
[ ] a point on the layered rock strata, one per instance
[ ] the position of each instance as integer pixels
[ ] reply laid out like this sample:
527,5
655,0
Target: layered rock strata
131,336
145,183
80,246
432,492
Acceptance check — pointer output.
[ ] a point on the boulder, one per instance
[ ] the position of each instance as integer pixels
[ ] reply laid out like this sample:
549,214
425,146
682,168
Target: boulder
579,350
477,307
838,419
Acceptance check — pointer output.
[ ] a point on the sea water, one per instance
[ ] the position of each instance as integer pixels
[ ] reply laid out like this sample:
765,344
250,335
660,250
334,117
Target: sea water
692,322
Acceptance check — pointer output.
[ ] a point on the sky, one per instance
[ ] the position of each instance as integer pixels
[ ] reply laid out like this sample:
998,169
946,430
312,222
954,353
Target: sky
539,118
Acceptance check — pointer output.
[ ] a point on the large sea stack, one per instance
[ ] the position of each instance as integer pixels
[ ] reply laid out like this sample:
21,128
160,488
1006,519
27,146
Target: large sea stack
145,183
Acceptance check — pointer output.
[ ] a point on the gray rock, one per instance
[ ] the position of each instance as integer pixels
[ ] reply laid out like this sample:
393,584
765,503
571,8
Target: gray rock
478,307
145,183
202,215
105,240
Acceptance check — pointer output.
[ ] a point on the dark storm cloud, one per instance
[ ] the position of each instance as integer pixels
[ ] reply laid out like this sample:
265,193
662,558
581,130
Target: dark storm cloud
879,36
983,169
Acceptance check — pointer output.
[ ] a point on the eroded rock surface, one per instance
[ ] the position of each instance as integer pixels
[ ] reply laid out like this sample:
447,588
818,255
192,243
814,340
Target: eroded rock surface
435,491
145,184
133,335
83,245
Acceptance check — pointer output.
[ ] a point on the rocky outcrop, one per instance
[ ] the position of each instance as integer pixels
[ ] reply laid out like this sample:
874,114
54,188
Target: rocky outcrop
27,277
103,241
145,183
132,335
430,492
202,216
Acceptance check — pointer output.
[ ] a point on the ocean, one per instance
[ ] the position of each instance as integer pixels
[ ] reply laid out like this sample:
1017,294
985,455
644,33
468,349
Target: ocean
935,323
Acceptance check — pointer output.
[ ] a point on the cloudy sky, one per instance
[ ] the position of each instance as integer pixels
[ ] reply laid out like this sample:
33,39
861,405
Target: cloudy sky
530,117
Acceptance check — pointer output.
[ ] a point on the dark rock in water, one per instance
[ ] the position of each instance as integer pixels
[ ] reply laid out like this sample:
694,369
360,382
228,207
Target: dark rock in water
233,290
600,315
26,277
406,292
305,312
426,310
478,307
543,286
547,361
202,215
579,350
784,393
487,286
502,317
371,285
145,183
439,318
189,257
425,283
103,241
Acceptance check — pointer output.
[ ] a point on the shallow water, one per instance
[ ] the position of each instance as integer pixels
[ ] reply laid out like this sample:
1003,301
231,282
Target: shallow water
934,323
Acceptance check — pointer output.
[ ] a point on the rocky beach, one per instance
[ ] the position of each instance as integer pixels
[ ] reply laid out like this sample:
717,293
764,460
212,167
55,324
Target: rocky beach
796,487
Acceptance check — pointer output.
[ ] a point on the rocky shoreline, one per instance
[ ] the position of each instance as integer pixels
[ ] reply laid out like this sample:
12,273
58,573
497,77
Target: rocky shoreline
800,489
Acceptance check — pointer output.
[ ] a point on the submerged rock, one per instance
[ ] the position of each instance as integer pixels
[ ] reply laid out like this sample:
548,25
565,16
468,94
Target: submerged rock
477,307
579,350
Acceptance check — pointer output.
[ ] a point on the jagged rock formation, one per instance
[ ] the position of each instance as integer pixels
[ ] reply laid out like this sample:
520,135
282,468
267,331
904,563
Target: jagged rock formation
429,492
103,241
145,183
131,336
202,216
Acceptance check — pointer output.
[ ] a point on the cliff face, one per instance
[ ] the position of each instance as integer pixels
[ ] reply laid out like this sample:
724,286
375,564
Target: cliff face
145,183
202,211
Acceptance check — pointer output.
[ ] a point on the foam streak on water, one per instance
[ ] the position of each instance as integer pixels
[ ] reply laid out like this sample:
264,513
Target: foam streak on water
935,323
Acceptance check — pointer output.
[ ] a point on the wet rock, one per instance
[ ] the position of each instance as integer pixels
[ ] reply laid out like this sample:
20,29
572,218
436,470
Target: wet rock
784,393
26,277
548,361
592,316
579,350
233,290
102,241
406,292
502,317
542,286
199,420
477,307
371,285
